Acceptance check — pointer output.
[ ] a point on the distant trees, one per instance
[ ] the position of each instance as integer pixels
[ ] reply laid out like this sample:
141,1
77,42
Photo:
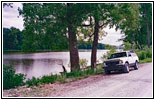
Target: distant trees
88,45
12,39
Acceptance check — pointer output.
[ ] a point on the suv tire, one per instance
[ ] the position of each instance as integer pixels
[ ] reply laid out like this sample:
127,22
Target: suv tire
126,68
136,65
106,71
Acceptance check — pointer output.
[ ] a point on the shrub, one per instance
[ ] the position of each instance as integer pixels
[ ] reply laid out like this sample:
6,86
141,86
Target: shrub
49,79
62,78
10,79
74,73
33,82
144,54
37,81
83,63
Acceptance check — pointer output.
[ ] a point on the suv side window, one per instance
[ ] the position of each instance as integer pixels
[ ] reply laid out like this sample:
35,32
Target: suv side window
133,54
129,54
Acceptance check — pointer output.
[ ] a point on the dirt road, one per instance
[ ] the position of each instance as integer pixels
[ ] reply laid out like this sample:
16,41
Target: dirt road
136,83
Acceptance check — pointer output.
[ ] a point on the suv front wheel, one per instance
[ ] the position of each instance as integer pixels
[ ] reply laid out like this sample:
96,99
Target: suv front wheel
106,71
126,68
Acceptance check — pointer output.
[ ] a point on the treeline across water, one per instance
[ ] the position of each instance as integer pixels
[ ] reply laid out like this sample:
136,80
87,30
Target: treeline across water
13,40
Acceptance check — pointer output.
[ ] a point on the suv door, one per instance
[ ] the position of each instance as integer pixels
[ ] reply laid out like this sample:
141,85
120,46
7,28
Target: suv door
130,58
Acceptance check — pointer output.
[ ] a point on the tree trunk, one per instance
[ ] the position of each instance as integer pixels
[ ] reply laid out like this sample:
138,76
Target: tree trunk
74,55
147,26
95,43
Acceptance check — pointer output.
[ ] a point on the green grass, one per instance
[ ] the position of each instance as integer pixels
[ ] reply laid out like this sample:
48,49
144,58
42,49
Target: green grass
65,77
147,60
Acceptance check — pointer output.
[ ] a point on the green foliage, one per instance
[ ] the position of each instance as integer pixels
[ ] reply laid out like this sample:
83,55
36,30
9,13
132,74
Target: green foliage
147,60
83,63
144,54
43,80
10,79
43,31
62,78
33,82
112,49
12,39
74,75
127,46
138,35
49,79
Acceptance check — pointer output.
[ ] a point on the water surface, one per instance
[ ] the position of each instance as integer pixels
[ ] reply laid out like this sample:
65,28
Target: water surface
44,63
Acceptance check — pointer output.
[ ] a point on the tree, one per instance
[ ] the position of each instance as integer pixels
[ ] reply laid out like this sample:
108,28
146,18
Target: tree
101,14
56,20
146,11
141,35
12,39
123,16
99,18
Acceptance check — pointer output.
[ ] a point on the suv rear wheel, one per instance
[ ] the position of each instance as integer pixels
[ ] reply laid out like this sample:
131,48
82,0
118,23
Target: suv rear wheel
126,68
136,65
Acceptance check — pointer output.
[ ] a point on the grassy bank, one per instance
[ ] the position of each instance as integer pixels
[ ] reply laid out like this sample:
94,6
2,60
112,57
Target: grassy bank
65,77
14,80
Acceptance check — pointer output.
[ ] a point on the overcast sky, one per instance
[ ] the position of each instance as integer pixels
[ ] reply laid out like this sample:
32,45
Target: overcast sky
10,18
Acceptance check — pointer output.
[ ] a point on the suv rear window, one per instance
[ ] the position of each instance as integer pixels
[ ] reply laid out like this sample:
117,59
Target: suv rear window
117,55
133,54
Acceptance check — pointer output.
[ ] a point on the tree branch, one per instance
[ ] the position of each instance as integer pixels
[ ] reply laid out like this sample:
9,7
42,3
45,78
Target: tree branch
84,25
103,25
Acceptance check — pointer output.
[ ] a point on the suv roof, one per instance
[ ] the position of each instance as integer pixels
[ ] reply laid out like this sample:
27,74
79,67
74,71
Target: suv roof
130,51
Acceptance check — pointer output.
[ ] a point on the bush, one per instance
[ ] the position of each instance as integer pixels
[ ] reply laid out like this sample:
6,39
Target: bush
83,63
144,54
62,78
37,81
10,79
33,82
48,79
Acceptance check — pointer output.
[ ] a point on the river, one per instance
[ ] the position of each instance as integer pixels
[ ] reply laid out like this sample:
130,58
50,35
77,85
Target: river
44,63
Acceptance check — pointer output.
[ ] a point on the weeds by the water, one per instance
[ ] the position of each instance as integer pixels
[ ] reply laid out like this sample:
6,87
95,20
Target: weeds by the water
75,75
12,80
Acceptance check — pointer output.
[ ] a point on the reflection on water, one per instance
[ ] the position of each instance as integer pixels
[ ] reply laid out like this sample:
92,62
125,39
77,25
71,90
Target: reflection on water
44,63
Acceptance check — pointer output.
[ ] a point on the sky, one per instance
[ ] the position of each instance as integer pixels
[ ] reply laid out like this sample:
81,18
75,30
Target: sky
11,18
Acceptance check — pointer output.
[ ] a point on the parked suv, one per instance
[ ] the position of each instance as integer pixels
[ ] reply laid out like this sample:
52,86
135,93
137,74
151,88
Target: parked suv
121,61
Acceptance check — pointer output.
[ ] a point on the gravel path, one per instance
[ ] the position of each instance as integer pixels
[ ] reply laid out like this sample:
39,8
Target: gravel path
136,83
